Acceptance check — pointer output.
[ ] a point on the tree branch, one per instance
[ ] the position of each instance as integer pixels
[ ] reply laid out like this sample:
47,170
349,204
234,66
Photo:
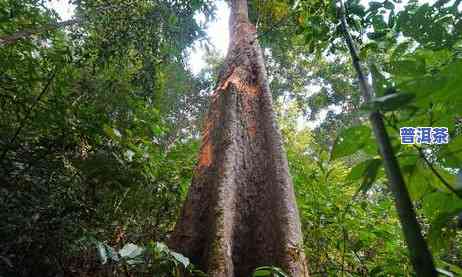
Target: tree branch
429,164
437,174
28,114
10,39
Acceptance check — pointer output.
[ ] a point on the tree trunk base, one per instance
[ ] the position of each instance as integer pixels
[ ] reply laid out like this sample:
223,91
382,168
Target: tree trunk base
240,212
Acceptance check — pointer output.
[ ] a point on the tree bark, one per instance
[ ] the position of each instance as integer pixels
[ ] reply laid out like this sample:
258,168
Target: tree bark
240,212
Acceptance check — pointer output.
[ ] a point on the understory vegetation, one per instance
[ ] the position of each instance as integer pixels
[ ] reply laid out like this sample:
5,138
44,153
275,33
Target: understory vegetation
100,125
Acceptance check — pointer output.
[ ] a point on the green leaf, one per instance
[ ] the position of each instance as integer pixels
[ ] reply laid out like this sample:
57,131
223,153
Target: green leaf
279,272
358,171
269,271
389,5
417,177
392,101
379,81
367,170
440,203
369,48
391,19
436,234
113,133
350,141
451,153
376,35
262,272
370,176
376,271
453,268
409,67
375,5
157,130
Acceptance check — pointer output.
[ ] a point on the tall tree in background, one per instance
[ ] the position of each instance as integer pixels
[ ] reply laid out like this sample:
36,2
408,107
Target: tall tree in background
241,212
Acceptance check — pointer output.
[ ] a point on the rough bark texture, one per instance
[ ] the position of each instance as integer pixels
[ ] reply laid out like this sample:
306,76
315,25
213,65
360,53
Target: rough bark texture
240,212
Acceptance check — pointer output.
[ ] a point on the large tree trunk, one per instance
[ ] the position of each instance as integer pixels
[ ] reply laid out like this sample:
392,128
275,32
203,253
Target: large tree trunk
240,212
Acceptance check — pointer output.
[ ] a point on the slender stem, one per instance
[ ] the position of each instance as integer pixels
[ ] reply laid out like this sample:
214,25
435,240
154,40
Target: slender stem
363,84
437,174
430,165
420,255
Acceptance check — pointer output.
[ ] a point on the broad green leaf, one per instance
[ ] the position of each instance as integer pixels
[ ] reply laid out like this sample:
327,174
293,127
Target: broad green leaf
389,5
358,170
157,130
409,67
367,170
418,178
375,5
439,203
376,35
376,271
451,153
368,49
436,233
370,176
392,101
350,141
113,133
379,82
452,89
451,267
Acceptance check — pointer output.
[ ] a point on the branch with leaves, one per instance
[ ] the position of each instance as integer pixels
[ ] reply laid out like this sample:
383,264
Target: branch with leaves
28,114
23,34
13,38
421,257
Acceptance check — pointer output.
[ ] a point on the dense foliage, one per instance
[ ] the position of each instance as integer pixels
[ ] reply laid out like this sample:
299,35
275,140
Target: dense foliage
99,127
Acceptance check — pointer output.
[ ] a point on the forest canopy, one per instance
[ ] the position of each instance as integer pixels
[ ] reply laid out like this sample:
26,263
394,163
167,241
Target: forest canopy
101,119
